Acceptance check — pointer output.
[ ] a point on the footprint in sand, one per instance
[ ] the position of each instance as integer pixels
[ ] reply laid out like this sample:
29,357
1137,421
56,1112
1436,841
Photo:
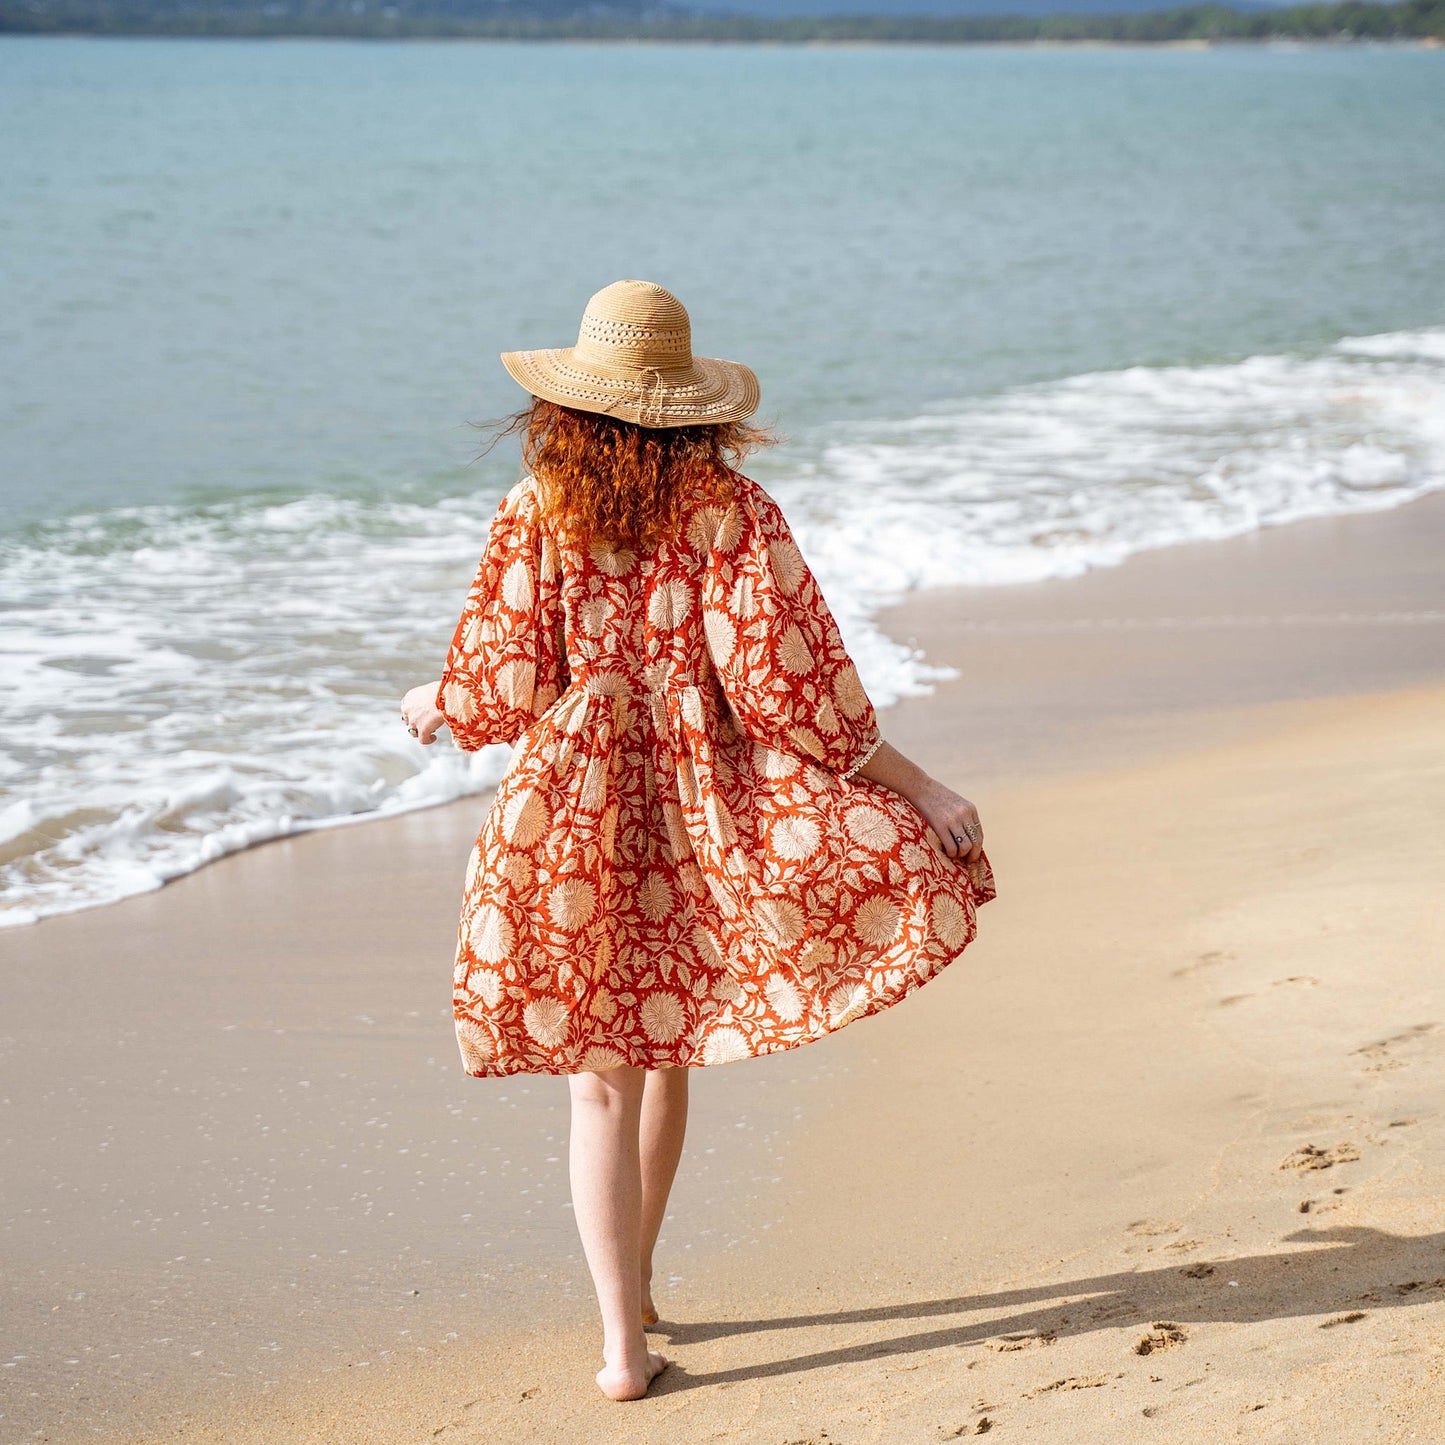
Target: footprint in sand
1205,960
1348,1319
1152,1228
1073,1382
1119,1309
1314,1156
981,1426
1198,1271
1032,1339
1297,980
1380,1057
1163,1335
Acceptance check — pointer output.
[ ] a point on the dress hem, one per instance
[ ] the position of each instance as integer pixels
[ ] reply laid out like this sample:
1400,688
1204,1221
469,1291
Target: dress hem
875,1006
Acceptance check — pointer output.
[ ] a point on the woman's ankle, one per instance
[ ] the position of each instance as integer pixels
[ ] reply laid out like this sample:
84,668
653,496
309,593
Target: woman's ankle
625,1349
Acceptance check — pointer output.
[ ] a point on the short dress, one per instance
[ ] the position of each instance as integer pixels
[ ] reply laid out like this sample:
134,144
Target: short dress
680,866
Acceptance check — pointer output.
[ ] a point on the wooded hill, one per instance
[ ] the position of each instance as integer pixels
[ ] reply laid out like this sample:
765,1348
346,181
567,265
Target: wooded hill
639,20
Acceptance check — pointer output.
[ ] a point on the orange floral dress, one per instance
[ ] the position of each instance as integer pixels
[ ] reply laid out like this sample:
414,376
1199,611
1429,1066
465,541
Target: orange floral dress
679,867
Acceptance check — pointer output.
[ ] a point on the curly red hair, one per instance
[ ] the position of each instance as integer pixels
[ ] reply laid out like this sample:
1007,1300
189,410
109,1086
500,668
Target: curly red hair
613,481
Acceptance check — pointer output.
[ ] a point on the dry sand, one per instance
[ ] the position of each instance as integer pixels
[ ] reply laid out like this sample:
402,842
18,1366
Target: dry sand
1162,1153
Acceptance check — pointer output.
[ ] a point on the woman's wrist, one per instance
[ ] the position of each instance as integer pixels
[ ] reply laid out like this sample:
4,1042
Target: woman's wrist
890,769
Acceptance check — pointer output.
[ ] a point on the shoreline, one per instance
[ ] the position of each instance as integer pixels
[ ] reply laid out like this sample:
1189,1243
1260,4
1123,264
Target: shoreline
940,621
243,1086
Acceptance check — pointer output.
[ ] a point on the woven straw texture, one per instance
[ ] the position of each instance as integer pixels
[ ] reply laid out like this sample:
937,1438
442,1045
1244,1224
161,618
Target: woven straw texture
633,360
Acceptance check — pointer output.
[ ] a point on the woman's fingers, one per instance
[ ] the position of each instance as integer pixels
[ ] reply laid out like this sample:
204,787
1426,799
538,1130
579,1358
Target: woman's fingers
967,833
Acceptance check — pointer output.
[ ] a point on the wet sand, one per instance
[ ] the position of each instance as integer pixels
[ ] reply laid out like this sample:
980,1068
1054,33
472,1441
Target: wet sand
1162,1150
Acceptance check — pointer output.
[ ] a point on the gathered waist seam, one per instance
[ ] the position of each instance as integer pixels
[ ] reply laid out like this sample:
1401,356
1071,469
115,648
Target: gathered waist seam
610,685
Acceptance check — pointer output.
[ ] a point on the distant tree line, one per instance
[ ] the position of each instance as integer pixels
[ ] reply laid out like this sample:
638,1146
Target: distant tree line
644,20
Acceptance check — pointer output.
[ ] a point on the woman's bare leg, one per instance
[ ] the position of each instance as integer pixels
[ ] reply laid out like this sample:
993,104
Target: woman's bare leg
664,1123
606,1169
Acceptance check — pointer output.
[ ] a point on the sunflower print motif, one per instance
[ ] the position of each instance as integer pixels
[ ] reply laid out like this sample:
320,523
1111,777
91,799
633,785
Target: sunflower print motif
680,866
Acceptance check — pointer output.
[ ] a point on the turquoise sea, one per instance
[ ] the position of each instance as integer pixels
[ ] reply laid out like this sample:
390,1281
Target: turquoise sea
1018,312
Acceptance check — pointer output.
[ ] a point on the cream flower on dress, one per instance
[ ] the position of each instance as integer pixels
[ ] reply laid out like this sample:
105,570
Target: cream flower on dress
950,920
849,692
517,586
784,998
489,934
707,948
524,819
722,636
795,838
514,683
846,1002
794,652
600,1057
571,904
782,920
876,921
486,983
702,529
593,616
654,897
517,869
726,989
725,1045
669,605
818,955
612,561
546,1020
776,765
871,827
743,603
788,566
475,1044
662,1016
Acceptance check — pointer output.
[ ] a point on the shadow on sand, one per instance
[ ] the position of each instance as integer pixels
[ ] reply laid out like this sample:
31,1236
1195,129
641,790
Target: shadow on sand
1352,1270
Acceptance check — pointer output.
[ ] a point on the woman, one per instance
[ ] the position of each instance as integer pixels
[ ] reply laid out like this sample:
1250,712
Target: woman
702,850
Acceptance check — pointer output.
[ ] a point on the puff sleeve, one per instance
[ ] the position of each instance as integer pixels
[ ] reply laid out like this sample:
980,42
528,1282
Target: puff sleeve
775,643
506,664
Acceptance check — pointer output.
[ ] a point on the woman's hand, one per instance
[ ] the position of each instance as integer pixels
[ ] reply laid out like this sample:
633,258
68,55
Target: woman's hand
952,817
419,712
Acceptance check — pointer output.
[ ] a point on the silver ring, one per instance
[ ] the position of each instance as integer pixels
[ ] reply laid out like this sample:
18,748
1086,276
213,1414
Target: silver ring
413,732
974,833
957,841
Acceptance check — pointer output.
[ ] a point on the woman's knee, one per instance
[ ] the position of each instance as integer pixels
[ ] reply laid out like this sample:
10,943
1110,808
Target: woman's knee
667,1083
619,1089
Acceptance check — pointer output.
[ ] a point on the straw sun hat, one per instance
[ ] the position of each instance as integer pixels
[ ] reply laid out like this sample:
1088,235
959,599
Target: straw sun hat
633,360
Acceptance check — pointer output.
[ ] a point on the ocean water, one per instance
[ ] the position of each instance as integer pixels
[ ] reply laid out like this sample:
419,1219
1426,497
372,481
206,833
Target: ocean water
1017,313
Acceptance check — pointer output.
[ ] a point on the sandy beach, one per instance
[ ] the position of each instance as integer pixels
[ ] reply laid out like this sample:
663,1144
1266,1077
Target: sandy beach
1161,1154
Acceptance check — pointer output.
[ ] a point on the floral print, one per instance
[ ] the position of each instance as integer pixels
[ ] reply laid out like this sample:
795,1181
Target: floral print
680,867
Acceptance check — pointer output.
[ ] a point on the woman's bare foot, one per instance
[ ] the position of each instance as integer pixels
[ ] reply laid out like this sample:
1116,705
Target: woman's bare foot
630,1383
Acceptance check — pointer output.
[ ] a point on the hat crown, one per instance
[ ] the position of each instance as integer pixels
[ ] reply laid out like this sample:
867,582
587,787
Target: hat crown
633,326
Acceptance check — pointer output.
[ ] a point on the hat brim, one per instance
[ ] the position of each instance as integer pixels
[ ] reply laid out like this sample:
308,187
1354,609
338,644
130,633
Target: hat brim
705,393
